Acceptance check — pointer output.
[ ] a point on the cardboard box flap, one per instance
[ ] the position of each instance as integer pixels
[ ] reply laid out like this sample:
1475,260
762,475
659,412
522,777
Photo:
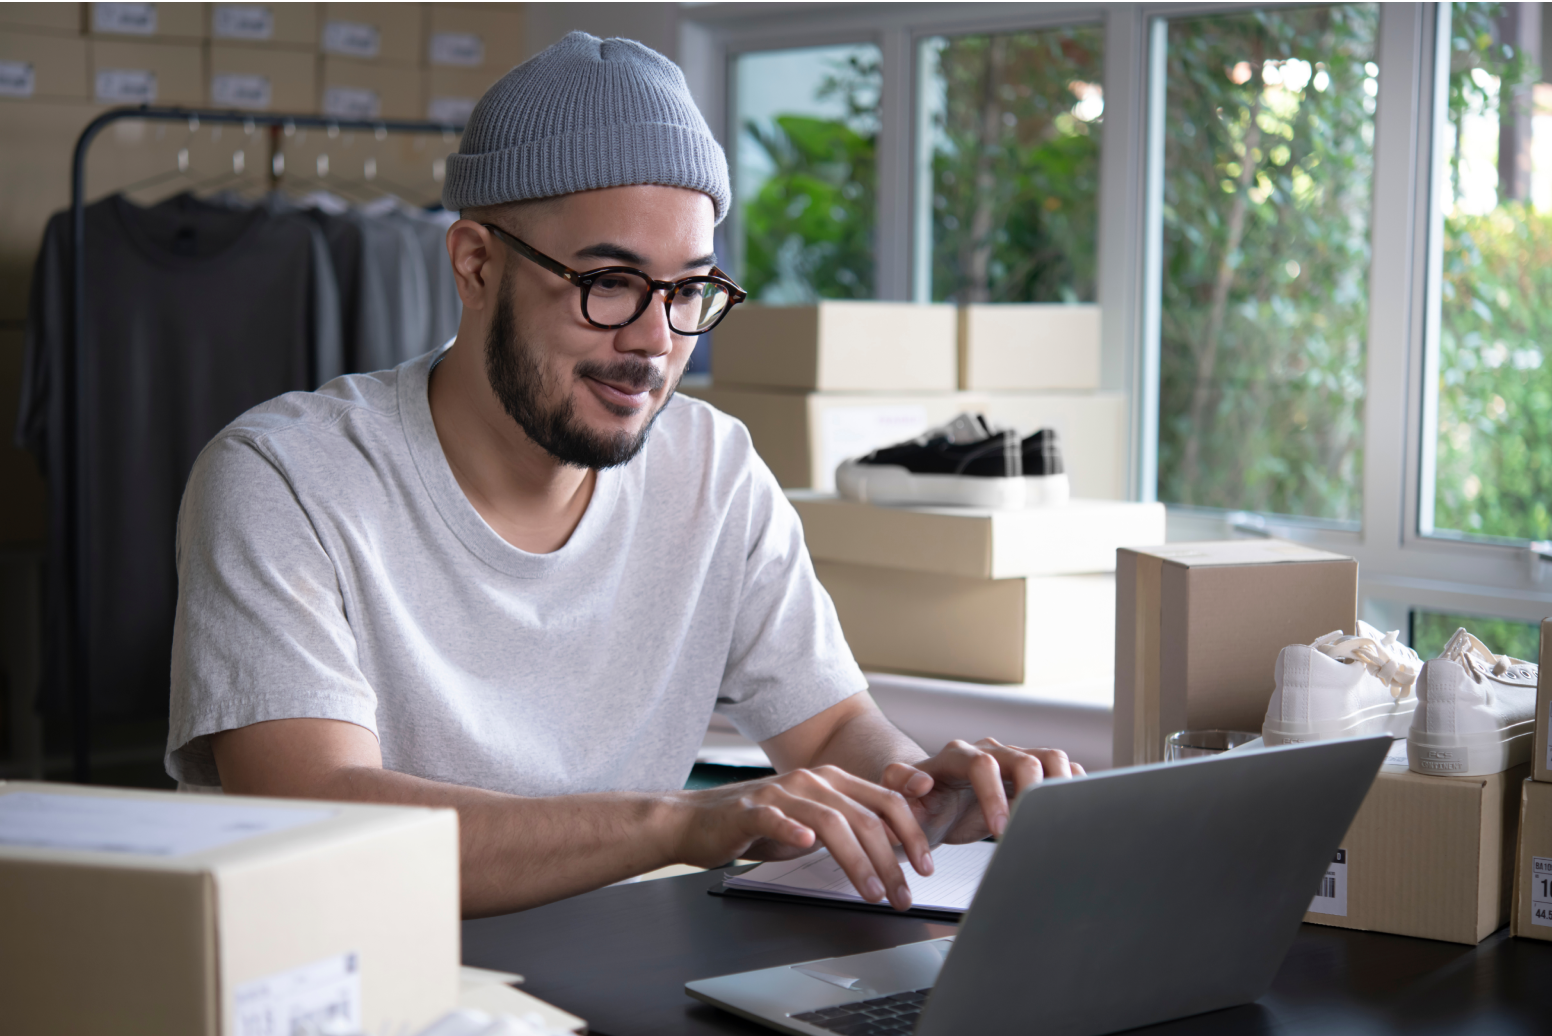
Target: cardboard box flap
1238,552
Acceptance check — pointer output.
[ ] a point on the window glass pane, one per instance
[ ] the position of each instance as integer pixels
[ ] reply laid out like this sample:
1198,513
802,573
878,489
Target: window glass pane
1493,462
1268,166
805,179
1430,631
1008,166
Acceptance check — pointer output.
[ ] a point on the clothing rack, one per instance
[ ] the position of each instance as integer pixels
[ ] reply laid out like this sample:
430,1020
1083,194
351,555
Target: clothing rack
77,664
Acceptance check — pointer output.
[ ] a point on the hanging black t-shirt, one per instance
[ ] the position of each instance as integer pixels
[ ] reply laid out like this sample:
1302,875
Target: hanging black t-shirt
194,314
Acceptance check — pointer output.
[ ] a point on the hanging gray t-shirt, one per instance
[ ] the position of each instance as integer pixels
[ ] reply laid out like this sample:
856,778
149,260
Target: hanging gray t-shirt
330,566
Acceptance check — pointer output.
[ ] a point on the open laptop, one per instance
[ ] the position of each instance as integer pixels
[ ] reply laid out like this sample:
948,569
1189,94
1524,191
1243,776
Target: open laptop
1115,900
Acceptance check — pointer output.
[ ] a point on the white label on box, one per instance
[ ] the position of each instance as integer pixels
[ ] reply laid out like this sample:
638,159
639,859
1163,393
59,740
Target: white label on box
851,431
352,102
1332,896
231,90
352,39
321,997
244,22
133,19
1541,891
465,49
164,827
130,85
454,111
16,79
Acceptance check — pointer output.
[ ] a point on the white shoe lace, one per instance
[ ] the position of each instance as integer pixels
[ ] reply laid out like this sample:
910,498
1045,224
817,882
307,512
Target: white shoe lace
1395,664
1478,659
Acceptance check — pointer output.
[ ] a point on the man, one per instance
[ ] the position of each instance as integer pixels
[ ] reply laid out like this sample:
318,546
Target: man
476,581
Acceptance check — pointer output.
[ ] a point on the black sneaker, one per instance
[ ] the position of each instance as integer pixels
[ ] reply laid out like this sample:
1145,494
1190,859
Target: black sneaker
963,463
1045,475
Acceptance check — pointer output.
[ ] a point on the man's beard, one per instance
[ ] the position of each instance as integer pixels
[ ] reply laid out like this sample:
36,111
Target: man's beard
519,381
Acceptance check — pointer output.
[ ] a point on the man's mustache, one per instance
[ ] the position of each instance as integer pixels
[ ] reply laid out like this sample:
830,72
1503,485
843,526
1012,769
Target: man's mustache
637,375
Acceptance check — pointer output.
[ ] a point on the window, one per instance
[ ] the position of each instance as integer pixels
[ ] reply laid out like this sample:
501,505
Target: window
1268,177
805,182
1431,630
1491,379
1008,166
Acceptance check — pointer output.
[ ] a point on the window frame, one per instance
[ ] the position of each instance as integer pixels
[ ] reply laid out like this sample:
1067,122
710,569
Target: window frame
1400,566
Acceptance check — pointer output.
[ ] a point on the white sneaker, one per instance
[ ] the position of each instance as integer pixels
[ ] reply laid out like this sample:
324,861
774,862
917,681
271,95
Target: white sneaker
1476,711
1342,686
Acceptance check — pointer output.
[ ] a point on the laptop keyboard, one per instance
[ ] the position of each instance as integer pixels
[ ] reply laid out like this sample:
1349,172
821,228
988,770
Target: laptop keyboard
881,1016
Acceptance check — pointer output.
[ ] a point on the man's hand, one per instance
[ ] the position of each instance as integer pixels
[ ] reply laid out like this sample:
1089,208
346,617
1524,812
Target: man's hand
962,793
786,816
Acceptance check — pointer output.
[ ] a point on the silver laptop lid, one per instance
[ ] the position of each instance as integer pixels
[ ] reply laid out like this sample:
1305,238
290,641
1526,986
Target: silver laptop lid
1134,896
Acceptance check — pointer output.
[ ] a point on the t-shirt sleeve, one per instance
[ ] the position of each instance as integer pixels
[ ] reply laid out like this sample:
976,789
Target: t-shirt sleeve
261,630
789,659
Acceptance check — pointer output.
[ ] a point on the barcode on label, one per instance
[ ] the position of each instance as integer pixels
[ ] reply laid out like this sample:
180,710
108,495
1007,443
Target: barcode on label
1331,897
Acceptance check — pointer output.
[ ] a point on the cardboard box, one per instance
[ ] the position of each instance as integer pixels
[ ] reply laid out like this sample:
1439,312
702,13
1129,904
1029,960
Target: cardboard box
452,93
1429,857
804,436
262,80
367,90
1079,538
265,25
498,30
1531,913
1199,626
39,67
167,21
179,927
1036,631
1541,753
838,347
374,32
147,73
61,18
1029,345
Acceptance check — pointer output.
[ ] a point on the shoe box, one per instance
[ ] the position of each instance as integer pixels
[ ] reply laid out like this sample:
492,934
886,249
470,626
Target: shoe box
1022,597
1198,627
144,912
838,346
1541,753
1429,857
1531,916
1033,345
804,436
1038,631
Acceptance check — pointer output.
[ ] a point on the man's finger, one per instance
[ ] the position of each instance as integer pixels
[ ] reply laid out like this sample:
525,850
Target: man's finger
895,811
907,780
762,820
845,836
986,779
1019,768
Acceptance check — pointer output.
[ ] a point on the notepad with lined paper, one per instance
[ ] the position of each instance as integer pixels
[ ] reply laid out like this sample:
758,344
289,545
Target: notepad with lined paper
956,874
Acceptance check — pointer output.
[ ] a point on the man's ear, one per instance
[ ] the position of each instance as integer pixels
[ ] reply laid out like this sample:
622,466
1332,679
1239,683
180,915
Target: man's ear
478,263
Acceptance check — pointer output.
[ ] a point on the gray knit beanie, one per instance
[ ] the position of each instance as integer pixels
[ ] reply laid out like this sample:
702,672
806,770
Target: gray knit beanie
584,114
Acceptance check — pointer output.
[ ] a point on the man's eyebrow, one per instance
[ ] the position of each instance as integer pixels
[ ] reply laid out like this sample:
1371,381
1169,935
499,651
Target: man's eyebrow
620,254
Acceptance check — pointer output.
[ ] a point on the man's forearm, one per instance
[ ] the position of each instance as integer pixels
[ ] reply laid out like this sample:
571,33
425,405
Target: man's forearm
520,852
865,743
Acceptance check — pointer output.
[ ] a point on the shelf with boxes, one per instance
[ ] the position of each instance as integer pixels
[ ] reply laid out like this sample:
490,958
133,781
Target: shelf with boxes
820,383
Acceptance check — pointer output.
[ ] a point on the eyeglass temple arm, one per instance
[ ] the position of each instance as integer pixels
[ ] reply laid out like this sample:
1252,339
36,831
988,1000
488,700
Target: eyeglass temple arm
528,252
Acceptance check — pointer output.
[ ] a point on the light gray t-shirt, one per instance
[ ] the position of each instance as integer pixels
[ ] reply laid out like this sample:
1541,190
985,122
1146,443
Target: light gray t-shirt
330,566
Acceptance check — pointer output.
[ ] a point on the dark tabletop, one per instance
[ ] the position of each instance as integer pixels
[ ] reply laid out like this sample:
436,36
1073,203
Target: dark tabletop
620,957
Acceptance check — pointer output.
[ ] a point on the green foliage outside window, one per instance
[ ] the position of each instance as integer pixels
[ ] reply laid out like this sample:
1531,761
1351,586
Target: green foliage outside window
1015,172
1494,462
1432,630
1268,174
809,229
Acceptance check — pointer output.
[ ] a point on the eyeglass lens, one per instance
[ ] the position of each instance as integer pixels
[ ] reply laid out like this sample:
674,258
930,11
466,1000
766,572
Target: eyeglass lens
617,297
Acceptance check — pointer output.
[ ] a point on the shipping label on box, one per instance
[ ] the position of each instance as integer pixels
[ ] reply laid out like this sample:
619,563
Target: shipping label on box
164,21
1541,759
34,66
146,73
1426,856
1199,627
262,79
1531,914
363,90
380,32
497,28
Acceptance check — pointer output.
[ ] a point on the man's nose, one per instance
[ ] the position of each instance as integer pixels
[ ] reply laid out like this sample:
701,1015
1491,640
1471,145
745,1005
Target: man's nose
649,334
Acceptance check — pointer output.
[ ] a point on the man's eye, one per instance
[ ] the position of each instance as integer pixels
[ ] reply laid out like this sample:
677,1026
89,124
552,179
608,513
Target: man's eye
612,283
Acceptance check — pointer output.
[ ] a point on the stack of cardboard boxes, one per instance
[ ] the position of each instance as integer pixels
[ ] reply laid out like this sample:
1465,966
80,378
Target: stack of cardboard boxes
1021,597
818,384
1198,629
1532,909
